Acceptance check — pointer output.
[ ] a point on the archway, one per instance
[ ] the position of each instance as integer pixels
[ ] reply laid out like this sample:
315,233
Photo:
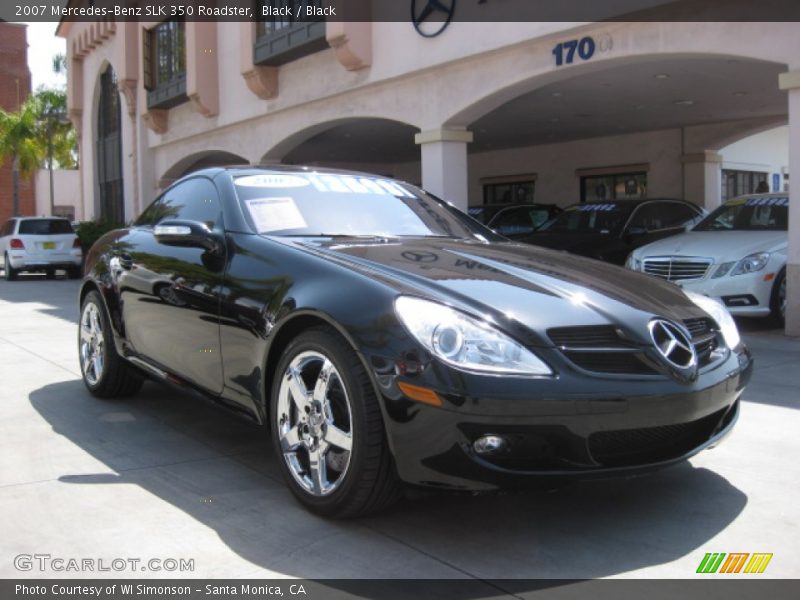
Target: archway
200,160
656,119
381,146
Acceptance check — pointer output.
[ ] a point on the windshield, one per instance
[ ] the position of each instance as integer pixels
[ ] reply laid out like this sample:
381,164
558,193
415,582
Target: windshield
45,227
588,218
318,204
748,214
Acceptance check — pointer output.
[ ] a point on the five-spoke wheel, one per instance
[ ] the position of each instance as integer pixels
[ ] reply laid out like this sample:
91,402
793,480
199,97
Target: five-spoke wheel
315,423
104,372
327,428
92,342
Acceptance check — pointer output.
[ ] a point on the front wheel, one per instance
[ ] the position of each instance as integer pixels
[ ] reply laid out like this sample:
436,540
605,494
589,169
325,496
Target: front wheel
777,302
327,429
105,374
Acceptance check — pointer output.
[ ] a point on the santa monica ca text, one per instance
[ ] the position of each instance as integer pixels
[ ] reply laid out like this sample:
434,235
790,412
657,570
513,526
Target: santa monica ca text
141,589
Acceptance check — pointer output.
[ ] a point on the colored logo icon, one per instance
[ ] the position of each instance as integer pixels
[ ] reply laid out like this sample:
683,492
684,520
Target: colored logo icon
734,562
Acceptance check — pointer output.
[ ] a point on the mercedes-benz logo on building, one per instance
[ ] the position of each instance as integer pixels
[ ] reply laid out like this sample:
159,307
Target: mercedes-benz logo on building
674,346
431,17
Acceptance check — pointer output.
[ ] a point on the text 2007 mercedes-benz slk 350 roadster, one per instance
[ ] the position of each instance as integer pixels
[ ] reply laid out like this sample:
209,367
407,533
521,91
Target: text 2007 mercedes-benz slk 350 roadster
388,338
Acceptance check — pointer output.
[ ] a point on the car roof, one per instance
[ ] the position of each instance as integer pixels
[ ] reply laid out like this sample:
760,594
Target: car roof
239,170
633,201
511,205
40,218
767,195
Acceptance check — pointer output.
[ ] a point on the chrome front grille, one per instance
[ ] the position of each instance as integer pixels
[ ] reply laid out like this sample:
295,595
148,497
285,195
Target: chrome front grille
602,348
677,268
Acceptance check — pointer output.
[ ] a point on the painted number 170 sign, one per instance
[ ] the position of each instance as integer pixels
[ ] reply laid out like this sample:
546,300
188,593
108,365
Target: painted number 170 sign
566,53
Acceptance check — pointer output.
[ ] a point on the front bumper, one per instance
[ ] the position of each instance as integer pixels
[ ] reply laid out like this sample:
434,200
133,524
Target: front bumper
746,295
607,433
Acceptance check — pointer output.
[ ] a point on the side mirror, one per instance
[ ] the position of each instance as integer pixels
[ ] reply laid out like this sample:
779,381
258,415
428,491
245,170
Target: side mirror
192,234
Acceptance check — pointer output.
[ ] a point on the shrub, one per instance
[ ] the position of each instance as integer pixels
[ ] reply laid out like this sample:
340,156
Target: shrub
91,231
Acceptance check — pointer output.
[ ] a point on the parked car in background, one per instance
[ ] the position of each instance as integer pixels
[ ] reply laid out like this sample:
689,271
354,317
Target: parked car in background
514,220
608,231
41,244
736,254
385,337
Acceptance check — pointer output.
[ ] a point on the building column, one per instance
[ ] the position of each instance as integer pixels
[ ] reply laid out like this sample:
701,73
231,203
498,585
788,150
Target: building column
444,164
702,178
791,82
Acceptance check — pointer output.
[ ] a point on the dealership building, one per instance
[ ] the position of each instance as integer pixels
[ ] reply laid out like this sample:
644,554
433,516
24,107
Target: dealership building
476,112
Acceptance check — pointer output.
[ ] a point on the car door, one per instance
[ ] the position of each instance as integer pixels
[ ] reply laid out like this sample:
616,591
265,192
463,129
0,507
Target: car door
170,293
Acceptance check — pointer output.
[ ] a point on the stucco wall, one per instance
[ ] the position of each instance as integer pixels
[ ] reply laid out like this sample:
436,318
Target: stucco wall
66,187
767,151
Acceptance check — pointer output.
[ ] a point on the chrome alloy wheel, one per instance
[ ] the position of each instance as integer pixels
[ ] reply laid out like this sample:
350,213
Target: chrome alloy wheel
92,344
315,423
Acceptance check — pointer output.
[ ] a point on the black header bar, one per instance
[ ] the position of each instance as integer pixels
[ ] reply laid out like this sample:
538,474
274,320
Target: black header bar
403,10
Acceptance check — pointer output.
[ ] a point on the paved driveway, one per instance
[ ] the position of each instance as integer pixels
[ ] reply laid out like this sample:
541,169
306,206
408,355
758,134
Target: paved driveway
162,476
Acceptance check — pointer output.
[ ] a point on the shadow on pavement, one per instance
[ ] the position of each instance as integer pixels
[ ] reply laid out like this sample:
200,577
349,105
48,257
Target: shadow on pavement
60,296
186,452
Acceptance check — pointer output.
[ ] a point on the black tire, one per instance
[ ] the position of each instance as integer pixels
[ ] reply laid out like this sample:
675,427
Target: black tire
776,303
50,273
370,482
74,273
118,378
10,272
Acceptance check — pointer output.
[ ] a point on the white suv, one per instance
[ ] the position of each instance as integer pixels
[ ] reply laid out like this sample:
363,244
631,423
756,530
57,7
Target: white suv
736,254
40,244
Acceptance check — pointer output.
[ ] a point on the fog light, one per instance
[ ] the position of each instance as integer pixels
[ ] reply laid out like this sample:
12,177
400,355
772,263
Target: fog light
489,444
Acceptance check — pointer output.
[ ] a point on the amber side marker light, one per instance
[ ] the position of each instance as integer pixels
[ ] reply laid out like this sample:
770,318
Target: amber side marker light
420,394
769,276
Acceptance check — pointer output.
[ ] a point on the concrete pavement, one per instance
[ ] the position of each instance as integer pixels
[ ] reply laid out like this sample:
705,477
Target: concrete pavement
162,475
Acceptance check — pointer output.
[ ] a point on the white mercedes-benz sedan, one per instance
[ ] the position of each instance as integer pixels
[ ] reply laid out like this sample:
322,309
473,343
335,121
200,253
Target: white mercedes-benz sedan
736,254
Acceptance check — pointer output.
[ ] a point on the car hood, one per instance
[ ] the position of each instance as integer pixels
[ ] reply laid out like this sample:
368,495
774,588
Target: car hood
510,282
722,246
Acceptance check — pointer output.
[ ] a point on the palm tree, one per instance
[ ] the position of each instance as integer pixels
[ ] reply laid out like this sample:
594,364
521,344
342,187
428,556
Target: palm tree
55,135
20,142
38,131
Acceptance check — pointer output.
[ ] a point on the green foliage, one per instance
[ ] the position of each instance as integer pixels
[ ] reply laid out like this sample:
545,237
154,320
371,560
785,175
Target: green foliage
38,132
91,231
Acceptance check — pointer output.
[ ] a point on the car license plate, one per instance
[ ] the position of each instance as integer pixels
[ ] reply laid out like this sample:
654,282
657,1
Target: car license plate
49,245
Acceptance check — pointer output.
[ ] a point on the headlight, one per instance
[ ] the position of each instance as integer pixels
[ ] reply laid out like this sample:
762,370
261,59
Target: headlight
720,314
751,263
465,342
634,264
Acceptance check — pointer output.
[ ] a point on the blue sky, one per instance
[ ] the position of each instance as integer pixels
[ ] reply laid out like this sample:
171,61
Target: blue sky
42,46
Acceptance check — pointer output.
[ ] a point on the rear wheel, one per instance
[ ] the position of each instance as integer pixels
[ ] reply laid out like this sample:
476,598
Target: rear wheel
327,429
10,272
777,303
105,374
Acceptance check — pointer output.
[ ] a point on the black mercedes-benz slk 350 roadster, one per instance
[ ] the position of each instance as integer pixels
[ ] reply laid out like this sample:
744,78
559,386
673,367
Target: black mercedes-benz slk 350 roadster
388,338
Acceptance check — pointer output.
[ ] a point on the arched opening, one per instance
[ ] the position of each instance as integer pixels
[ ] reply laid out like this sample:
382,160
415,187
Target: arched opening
200,160
381,146
646,125
109,149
